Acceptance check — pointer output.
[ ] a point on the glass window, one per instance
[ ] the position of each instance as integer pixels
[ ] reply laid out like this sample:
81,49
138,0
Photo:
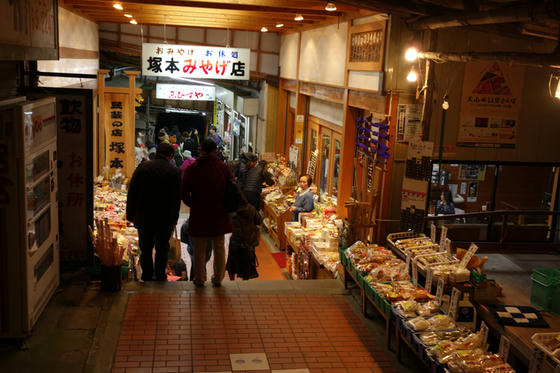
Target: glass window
325,150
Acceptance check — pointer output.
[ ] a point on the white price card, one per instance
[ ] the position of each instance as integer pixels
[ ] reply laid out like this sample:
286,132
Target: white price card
448,248
536,364
484,331
443,235
414,273
433,233
455,294
503,351
429,279
468,255
439,291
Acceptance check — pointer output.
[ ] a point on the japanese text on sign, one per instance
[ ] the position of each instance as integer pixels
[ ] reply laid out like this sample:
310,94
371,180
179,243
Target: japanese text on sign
195,61
116,146
185,92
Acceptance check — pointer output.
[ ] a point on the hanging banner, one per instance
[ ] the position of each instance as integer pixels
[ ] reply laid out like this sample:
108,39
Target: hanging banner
490,105
185,92
119,133
193,61
298,132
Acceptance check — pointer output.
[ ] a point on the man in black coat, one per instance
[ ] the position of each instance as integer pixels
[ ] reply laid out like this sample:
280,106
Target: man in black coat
254,177
153,204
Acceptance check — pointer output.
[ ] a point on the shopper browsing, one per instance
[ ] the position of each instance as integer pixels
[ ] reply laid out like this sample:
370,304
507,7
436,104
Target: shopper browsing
202,189
256,175
304,198
152,204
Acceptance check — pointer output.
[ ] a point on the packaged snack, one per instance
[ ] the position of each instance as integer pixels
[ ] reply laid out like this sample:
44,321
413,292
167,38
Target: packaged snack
419,324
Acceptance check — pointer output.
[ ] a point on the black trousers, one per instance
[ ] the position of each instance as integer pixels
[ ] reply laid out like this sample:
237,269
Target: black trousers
147,238
254,198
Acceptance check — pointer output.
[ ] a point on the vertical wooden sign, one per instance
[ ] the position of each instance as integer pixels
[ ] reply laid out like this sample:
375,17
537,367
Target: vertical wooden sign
116,125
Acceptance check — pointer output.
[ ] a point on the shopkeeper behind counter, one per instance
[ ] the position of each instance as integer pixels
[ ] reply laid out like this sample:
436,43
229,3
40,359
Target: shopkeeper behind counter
304,198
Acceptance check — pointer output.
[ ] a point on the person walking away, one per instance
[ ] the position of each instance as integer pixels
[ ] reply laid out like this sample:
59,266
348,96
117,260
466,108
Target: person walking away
213,134
186,239
242,261
304,198
152,204
202,189
254,179
192,143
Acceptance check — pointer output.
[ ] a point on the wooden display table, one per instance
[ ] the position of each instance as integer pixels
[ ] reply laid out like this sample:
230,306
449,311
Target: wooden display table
276,227
316,270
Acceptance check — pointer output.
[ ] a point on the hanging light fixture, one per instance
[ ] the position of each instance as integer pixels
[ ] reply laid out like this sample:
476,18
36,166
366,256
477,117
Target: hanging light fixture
554,85
279,25
133,21
264,29
128,15
412,75
330,7
445,104
298,17
411,54
118,6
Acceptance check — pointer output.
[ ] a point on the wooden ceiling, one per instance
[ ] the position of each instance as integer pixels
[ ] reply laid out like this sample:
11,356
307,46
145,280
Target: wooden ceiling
227,14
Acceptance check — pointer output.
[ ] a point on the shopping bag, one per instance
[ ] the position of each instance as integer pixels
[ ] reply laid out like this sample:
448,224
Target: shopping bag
233,197
174,247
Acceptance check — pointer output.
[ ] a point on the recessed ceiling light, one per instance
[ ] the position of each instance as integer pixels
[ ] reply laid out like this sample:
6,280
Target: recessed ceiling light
330,7
264,29
128,15
133,21
279,25
298,17
118,6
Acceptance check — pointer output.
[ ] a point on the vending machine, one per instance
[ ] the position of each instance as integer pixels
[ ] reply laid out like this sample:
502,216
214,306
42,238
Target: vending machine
29,252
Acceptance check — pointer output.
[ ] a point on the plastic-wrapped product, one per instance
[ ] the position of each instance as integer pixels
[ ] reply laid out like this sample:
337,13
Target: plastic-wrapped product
419,324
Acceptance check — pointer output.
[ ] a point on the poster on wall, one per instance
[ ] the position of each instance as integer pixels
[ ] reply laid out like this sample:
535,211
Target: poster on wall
409,122
490,105
298,131
294,152
473,191
472,172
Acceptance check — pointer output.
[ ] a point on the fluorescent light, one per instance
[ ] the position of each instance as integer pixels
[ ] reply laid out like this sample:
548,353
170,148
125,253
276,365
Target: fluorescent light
557,94
411,54
128,15
264,29
193,80
298,17
117,6
330,7
133,21
279,25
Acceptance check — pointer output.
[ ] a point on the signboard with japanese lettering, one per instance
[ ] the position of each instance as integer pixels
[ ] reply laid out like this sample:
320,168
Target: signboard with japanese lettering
193,61
185,92
74,114
490,104
119,133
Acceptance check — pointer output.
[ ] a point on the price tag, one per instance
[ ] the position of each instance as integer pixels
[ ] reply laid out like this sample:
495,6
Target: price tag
448,248
484,331
503,351
536,364
468,255
433,233
439,291
443,235
408,257
414,273
455,294
429,279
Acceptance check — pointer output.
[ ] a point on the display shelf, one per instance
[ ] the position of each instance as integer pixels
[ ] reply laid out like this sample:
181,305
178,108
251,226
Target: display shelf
276,225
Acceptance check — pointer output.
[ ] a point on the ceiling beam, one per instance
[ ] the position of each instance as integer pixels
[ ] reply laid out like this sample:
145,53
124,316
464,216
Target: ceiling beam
551,60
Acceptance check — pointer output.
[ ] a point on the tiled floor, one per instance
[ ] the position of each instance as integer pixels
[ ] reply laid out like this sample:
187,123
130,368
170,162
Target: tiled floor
197,332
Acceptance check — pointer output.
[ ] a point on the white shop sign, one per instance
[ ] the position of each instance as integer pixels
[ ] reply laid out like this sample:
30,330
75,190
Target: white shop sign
193,61
185,92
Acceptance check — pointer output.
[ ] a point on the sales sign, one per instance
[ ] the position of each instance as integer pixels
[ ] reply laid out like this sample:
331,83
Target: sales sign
192,61
185,92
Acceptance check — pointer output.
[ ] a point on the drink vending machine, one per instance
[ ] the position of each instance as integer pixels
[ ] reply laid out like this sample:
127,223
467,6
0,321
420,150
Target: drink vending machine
29,252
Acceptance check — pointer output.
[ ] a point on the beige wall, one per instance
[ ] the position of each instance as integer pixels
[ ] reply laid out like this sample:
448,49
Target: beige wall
76,33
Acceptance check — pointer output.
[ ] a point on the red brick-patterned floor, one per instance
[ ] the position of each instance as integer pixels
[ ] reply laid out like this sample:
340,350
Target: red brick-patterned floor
197,332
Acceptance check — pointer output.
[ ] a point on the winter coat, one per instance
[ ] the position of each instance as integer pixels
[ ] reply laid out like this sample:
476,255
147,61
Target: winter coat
245,221
255,177
303,203
153,199
202,189
192,145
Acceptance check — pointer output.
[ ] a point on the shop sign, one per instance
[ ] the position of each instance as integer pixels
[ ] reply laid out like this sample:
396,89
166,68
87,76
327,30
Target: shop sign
490,105
192,61
117,132
409,122
185,92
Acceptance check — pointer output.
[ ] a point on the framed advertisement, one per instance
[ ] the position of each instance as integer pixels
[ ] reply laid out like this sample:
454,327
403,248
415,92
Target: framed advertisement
29,30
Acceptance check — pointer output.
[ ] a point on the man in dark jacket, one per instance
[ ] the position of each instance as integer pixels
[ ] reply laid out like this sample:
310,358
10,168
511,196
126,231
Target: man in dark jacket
153,204
253,181
202,189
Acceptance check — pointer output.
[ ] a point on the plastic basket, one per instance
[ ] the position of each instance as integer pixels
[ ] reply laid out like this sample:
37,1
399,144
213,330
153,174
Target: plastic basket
545,289
539,339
